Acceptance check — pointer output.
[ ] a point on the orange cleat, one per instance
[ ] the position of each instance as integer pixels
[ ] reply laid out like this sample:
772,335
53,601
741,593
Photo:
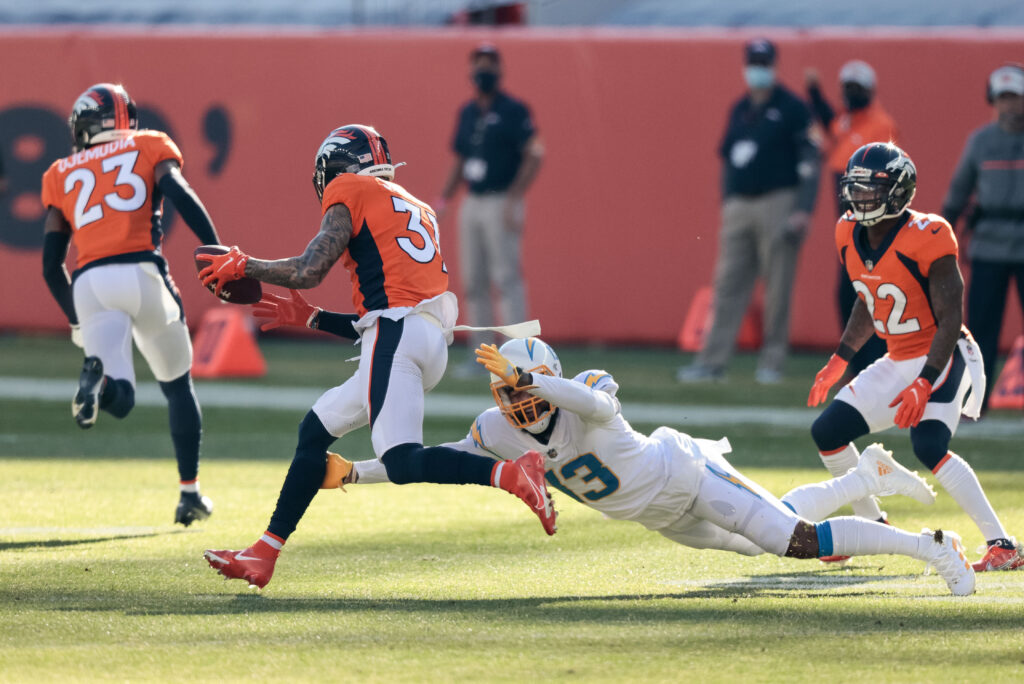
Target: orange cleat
245,565
524,477
999,558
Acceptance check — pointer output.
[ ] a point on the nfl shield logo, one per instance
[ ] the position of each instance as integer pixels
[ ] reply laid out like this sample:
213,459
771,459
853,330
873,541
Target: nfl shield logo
870,265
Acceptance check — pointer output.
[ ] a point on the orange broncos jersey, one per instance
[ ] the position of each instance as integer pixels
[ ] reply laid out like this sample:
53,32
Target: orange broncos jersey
107,194
893,279
394,254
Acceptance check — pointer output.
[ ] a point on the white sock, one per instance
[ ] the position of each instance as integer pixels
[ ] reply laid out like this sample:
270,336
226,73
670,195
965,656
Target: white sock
858,537
370,472
191,486
838,464
816,502
957,477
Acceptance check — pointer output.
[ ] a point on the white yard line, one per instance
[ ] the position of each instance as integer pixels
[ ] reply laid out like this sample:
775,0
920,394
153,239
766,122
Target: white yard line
438,405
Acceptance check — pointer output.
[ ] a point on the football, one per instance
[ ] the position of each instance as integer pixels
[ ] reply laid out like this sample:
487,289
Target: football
241,291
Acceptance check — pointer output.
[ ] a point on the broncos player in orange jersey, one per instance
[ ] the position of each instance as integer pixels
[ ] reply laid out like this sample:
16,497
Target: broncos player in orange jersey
107,198
903,265
388,241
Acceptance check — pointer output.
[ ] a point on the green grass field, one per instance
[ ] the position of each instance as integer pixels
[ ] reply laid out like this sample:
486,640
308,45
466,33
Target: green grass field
428,583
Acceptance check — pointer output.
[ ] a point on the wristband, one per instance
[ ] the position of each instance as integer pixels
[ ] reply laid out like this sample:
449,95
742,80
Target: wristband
930,373
845,352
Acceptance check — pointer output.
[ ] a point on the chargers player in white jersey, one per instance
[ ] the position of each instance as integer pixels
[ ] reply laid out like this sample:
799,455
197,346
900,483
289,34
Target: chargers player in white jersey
677,485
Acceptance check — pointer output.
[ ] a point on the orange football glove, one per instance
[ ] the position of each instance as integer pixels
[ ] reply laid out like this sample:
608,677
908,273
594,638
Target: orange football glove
294,310
490,358
223,268
826,377
911,403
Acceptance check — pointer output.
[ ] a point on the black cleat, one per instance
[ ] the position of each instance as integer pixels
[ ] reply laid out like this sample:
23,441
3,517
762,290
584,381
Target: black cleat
192,507
86,404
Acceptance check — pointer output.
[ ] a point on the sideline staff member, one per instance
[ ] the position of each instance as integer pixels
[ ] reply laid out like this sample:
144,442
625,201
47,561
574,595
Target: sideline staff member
991,169
497,154
770,179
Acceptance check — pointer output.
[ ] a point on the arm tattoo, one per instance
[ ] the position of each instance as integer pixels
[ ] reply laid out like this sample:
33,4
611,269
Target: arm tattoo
946,288
309,268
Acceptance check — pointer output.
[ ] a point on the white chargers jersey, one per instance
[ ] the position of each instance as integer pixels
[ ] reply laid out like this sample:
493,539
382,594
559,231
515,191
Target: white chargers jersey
594,456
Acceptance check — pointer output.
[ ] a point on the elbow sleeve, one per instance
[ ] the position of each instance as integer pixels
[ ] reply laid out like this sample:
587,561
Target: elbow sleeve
55,248
342,325
185,200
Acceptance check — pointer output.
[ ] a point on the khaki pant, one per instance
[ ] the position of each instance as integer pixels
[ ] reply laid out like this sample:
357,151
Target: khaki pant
754,242
490,257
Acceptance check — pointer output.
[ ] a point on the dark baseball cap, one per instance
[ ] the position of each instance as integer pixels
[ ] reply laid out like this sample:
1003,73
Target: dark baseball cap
760,51
485,50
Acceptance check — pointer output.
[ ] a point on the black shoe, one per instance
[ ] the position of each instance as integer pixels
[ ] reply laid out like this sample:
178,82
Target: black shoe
86,404
192,507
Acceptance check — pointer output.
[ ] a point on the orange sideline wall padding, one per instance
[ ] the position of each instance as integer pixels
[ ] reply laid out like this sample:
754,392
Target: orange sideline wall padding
623,220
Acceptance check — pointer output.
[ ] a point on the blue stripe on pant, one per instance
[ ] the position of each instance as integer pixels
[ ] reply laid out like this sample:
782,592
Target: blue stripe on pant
824,530
389,335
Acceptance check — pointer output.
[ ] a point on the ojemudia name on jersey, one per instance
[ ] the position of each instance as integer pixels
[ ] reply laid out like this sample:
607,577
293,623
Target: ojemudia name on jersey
95,153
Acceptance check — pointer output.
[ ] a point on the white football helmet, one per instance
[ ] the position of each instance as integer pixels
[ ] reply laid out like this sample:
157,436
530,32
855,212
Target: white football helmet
528,412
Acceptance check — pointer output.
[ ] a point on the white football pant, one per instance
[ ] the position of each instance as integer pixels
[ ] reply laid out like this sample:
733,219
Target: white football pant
118,302
398,363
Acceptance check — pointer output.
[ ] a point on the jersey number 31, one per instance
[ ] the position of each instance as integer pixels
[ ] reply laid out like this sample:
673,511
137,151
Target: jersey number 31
418,224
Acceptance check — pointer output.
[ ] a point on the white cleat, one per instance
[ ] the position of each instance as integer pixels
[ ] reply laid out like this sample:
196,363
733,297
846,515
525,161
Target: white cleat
886,477
945,552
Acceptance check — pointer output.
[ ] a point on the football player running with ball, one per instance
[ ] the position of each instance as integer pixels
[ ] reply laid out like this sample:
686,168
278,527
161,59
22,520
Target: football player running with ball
388,241
669,482
903,265
107,199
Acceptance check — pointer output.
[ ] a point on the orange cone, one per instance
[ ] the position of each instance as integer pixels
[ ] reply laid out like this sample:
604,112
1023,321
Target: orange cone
698,321
225,345
1009,389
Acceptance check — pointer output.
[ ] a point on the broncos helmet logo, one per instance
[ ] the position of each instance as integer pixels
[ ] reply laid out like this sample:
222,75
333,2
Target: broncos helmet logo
901,165
331,142
89,100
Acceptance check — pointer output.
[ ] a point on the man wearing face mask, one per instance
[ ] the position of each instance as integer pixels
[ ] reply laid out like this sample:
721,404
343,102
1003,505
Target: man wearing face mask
769,184
497,155
861,121
991,170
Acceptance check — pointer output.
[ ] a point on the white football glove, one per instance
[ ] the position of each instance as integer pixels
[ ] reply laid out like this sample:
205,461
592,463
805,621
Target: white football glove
76,336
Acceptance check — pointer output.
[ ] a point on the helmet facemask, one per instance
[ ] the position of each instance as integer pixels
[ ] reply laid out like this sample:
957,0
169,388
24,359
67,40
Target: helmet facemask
867,198
522,409
872,198
879,183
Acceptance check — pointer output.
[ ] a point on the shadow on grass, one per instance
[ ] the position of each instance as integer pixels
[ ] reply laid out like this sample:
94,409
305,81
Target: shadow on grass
60,543
727,600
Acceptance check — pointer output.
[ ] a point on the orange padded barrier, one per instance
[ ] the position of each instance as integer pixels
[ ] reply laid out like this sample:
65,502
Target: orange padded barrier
1009,390
700,315
225,345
